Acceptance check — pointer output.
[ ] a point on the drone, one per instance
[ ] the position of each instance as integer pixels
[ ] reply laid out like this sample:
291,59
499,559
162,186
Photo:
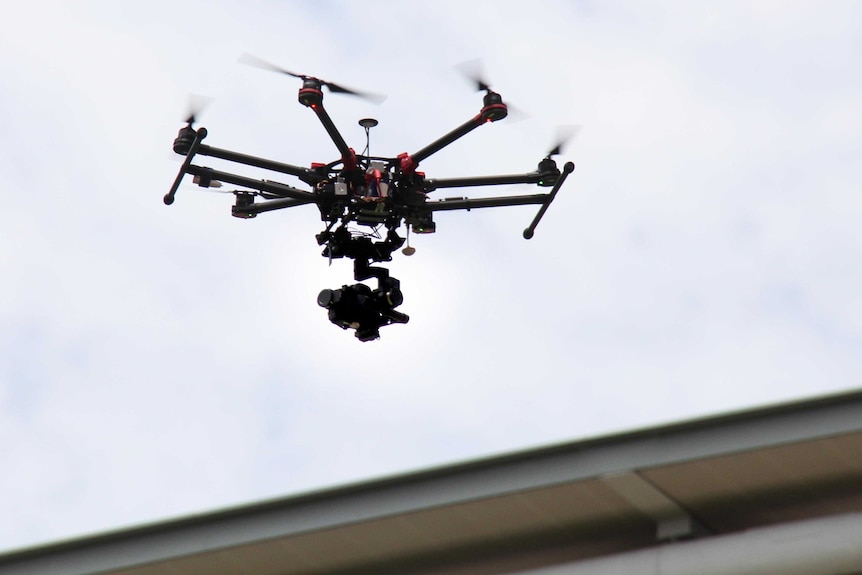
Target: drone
363,199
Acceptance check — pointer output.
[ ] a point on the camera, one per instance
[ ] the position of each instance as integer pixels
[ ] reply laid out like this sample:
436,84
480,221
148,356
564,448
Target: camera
363,309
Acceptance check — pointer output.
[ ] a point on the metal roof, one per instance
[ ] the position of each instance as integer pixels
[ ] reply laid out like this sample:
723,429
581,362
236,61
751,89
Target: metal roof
585,499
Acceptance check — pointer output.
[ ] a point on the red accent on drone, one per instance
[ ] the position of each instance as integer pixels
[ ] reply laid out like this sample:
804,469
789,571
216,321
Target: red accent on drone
406,163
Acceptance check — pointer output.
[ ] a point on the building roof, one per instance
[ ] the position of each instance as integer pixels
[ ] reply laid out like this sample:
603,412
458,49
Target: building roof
584,499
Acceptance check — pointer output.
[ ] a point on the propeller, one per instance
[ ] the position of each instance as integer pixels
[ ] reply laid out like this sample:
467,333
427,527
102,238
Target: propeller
250,60
197,104
564,135
473,71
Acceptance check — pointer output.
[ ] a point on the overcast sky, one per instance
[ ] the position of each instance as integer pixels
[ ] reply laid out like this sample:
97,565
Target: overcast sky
161,361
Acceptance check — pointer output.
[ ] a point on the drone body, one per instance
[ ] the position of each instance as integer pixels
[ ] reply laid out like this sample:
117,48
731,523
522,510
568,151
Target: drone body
375,193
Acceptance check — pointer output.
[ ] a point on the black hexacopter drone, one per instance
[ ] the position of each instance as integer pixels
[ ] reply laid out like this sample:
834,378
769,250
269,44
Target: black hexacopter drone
368,191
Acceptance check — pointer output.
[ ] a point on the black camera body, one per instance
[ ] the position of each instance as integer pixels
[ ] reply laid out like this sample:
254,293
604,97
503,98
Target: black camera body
363,309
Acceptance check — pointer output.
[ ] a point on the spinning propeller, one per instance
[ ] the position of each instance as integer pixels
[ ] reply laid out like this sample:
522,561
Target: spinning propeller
473,71
250,60
565,134
197,104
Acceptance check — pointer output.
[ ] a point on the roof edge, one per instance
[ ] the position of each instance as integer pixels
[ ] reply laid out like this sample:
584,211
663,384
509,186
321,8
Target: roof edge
813,407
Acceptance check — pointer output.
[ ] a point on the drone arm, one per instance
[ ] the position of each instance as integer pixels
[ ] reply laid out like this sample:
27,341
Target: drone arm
444,141
347,155
493,110
531,178
261,185
473,203
306,175
468,203
567,169
268,206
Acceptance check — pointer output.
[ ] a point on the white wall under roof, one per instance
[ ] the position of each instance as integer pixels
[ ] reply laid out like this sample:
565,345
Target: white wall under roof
828,546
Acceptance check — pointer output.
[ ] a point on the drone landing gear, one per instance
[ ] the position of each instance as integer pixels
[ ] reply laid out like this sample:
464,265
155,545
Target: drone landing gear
361,308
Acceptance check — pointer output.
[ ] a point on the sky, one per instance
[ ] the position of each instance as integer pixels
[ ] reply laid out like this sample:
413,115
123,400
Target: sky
158,361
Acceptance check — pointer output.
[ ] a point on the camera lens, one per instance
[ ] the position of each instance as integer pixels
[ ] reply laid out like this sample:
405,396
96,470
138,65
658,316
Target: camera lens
324,298
394,297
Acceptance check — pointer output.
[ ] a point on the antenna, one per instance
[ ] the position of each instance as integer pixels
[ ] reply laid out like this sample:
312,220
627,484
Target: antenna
368,123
